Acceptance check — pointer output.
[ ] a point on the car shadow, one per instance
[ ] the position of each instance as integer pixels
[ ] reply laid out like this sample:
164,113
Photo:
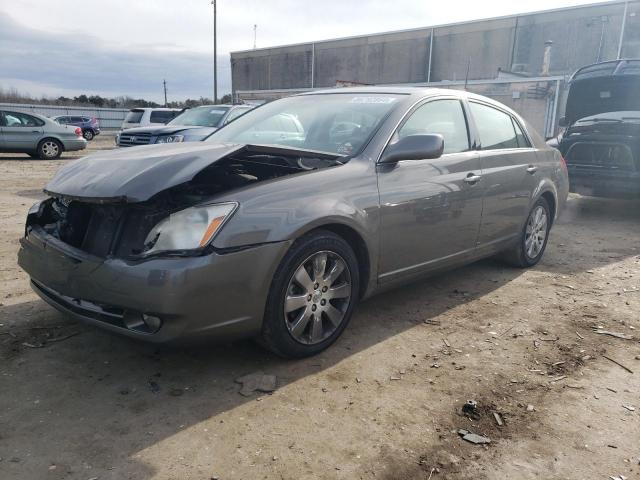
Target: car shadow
121,386
119,397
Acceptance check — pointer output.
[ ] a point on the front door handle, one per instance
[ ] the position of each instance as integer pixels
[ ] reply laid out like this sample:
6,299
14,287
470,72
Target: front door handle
472,178
532,169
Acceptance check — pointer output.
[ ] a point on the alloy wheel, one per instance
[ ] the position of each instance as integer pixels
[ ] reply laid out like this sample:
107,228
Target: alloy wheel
50,149
317,297
536,232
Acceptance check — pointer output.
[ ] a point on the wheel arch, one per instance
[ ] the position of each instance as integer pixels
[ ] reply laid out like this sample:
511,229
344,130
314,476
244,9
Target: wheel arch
547,190
359,246
551,200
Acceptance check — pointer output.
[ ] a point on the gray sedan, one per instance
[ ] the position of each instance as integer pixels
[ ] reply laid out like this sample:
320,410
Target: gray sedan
280,239
37,135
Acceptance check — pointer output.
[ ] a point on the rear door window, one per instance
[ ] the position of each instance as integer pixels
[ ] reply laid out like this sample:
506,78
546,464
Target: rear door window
495,127
134,116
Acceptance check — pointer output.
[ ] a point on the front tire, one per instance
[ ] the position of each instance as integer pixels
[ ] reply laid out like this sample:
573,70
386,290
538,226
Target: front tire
533,240
312,296
49,149
88,135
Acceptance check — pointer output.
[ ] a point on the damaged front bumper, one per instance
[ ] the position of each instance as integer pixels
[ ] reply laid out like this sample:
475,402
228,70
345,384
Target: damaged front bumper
221,295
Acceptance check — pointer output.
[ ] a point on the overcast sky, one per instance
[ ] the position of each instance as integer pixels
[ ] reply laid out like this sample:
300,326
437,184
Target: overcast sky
126,47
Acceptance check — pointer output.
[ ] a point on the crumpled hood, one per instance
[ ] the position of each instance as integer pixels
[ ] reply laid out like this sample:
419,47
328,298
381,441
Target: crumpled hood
135,174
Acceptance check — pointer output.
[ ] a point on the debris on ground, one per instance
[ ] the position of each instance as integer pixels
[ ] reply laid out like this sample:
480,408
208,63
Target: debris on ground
629,407
257,381
432,322
44,343
153,386
498,418
617,477
470,409
530,408
613,334
618,363
473,437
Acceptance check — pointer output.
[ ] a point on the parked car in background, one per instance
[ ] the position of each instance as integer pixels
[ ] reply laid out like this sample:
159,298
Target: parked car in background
192,125
89,125
229,238
143,117
37,135
601,143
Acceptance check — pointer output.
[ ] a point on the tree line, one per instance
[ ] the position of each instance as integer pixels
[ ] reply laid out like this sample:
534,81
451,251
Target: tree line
12,95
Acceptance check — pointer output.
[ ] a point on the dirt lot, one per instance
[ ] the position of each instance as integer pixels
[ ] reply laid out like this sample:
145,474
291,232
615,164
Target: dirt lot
384,402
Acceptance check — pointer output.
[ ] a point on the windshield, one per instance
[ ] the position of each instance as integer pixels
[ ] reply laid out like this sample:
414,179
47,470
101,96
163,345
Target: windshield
200,117
334,123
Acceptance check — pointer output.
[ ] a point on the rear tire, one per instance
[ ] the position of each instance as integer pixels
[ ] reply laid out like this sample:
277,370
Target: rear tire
533,240
49,149
88,135
312,296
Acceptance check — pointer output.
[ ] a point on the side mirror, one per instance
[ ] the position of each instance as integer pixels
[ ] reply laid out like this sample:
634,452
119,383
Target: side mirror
414,147
562,122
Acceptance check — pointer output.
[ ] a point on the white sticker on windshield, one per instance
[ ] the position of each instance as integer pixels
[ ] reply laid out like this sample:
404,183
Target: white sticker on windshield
383,100
217,110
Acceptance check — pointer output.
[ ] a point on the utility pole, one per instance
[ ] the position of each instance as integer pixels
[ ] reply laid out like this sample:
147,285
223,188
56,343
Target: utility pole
255,36
624,23
164,84
215,54
466,77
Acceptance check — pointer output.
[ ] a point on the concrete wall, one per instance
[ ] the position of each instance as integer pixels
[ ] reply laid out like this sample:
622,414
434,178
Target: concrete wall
580,35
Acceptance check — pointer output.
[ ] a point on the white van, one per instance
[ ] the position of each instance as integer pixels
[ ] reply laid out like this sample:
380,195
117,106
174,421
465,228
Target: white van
144,117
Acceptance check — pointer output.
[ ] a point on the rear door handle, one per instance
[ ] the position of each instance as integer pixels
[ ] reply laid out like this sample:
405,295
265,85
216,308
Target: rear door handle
532,169
472,178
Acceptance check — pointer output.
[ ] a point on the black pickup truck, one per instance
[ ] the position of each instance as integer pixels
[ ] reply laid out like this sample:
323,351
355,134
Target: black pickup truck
601,144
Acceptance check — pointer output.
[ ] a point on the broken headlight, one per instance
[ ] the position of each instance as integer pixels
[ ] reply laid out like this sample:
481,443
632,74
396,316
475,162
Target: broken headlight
188,229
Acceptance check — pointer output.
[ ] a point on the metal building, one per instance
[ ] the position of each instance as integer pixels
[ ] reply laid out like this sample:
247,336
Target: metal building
521,60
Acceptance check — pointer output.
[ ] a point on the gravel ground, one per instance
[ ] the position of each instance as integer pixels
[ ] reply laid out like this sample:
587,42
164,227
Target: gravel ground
384,402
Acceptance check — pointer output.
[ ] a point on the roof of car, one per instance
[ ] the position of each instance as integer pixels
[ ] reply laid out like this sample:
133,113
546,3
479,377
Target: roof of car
400,90
415,91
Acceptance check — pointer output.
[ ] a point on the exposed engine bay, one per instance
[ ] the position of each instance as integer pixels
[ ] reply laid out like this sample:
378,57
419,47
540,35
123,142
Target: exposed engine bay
119,229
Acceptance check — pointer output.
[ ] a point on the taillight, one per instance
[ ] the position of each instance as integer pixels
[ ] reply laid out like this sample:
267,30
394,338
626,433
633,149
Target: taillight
563,163
79,131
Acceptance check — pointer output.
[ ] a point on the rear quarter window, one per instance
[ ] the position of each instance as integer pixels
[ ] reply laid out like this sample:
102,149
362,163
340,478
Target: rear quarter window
162,116
134,116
